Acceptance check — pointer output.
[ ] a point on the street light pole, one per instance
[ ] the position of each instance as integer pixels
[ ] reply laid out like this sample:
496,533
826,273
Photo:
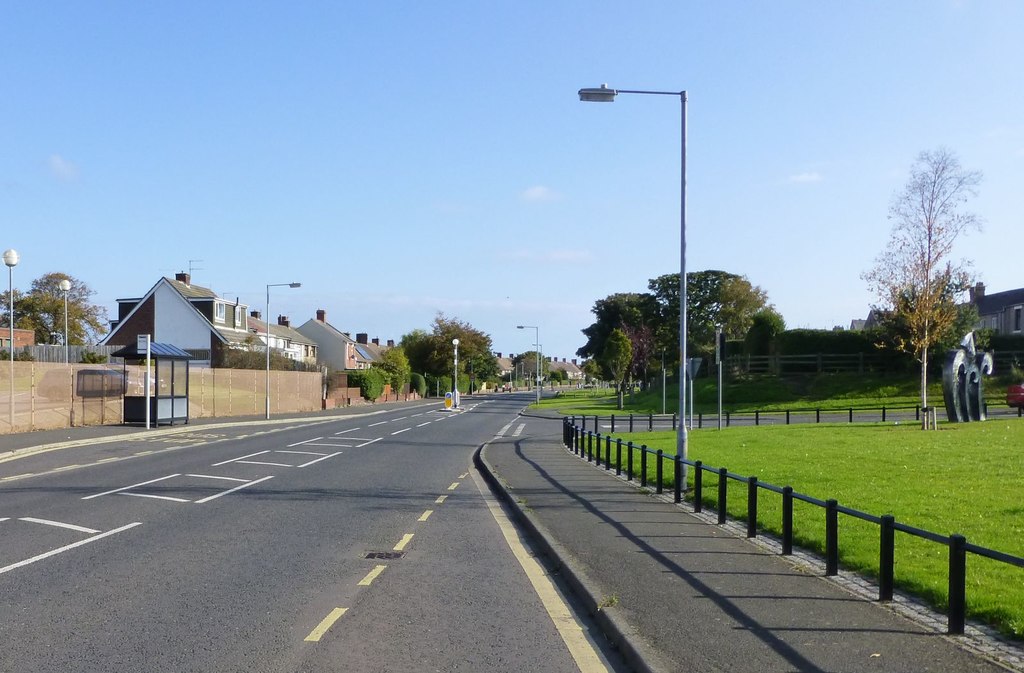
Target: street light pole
65,285
536,353
455,380
11,260
603,94
267,319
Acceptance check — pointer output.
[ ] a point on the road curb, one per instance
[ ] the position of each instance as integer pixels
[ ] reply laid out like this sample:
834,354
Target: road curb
636,654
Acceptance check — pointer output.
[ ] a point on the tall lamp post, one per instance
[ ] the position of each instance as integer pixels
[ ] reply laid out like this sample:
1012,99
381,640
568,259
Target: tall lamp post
536,333
267,317
65,285
455,379
603,94
11,260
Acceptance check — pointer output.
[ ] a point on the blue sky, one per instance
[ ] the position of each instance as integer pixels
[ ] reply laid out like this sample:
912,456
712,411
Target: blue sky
404,158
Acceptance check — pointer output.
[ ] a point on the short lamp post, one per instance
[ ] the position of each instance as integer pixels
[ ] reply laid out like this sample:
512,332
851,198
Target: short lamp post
603,94
65,286
536,333
267,317
455,379
11,260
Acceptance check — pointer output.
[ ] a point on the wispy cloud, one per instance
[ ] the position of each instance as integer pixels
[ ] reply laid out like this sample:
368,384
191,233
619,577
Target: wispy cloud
62,169
804,178
539,194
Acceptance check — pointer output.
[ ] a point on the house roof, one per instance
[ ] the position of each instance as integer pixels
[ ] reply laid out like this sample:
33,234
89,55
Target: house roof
156,350
258,326
995,303
192,291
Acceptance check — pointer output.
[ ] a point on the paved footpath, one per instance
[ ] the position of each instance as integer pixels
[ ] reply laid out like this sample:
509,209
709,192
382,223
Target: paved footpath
679,593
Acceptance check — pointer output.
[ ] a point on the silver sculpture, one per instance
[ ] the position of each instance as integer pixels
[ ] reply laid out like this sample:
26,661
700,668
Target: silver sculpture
961,381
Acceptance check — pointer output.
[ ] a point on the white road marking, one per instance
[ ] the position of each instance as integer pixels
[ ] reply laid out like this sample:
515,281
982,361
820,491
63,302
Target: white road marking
378,423
225,462
519,430
213,476
317,460
65,548
501,433
333,446
261,462
344,432
118,490
155,497
231,490
58,524
400,418
302,453
422,424
369,442
398,432
440,499
304,441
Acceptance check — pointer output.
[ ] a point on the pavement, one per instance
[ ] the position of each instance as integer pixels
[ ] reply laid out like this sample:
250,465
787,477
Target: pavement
674,591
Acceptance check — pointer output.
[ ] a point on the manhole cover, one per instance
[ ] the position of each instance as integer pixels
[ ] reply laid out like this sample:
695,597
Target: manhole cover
385,555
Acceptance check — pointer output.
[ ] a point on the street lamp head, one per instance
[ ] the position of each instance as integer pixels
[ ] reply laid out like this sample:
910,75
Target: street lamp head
11,257
455,342
294,285
601,94
65,285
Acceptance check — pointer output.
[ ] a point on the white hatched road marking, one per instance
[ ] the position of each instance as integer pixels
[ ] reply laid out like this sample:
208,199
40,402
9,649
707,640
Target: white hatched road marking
225,462
59,524
231,490
213,476
345,432
65,548
154,496
301,453
359,446
304,441
519,430
260,462
118,490
317,460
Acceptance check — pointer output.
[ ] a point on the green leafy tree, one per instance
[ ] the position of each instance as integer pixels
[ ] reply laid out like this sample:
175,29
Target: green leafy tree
42,310
418,346
395,367
617,356
592,370
527,363
915,278
765,326
418,384
369,381
615,312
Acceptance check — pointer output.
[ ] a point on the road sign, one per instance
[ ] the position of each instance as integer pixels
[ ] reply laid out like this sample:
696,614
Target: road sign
448,400
693,366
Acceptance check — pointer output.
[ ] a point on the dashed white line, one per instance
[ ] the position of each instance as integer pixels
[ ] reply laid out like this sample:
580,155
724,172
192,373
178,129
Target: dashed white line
345,432
59,524
398,432
374,424
260,462
304,441
519,430
422,424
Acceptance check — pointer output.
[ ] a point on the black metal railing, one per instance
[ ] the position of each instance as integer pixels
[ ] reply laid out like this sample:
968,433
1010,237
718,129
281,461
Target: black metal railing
580,441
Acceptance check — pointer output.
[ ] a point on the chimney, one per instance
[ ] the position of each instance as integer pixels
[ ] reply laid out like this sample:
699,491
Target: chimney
255,314
283,321
376,341
361,337
391,343
183,277
498,355
976,293
321,315
574,361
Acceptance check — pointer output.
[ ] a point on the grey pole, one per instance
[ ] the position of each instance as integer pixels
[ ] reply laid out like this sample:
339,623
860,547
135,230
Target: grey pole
267,318
11,260
718,360
65,285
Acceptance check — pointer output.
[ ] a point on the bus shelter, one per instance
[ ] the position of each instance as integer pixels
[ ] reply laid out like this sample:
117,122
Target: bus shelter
168,399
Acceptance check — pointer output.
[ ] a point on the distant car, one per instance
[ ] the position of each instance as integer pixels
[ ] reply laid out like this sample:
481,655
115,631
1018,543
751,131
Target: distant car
1015,395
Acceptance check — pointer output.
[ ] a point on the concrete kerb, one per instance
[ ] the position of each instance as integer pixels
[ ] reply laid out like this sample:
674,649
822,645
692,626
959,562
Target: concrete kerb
7,456
636,654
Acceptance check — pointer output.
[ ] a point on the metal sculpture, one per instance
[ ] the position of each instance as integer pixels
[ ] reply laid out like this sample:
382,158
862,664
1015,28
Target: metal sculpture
961,381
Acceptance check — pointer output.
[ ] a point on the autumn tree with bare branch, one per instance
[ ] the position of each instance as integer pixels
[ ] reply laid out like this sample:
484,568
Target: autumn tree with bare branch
914,278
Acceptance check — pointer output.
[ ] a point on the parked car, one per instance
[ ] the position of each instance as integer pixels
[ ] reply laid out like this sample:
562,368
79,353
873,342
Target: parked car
55,384
1015,395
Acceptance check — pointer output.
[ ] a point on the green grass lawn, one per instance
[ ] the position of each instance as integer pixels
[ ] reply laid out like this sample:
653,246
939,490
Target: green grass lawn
963,479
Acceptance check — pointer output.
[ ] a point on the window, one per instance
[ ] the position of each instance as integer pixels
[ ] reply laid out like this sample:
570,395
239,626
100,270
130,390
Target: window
238,315
1016,318
218,311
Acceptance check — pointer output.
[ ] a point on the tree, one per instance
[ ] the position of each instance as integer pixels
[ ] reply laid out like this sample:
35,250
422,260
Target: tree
914,278
642,343
42,310
527,363
434,353
765,325
617,356
395,367
592,370
616,311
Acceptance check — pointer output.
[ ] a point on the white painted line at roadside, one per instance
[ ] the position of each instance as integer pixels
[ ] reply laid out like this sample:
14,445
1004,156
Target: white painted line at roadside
345,432
304,441
213,476
301,453
317,460
378,423
6,518
369,442
400,418
333,446
118,490
225,462
398,432
59,524
422,424
231,490
65,548
261,462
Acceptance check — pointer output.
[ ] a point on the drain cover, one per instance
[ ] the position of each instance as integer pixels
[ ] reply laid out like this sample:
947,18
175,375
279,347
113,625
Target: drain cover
385,555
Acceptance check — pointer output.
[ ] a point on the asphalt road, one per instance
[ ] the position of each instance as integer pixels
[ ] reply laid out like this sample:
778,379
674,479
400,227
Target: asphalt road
357,543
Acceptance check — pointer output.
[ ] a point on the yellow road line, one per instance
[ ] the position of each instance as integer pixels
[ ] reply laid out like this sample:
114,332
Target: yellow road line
454,486
425,515
579,646
370,576
316,634
405,540
463,475
18,476
440,499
